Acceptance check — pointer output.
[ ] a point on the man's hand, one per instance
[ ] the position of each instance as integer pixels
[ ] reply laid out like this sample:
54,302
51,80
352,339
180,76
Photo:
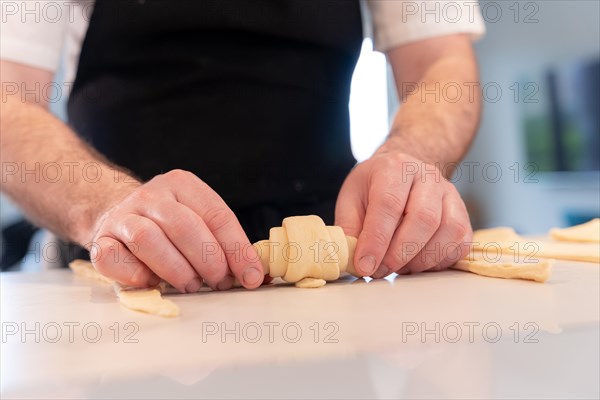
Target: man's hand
406,215
176,228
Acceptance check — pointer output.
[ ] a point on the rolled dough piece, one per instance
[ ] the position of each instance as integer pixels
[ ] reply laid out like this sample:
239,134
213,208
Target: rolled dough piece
279,252
303,247
310,283
149,301
145,300
539,271
351,241
262,247
339,246
511,243
86,269
588,232
315,259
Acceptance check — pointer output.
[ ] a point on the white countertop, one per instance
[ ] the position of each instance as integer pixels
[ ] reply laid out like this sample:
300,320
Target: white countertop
369,342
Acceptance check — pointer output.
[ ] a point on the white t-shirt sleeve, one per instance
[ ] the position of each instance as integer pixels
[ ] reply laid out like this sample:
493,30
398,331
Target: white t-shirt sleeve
33,33
398,22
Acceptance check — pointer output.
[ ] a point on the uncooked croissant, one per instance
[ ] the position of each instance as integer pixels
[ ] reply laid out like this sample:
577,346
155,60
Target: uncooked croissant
307,252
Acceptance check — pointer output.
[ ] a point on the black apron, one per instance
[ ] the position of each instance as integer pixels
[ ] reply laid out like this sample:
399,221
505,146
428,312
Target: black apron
251,96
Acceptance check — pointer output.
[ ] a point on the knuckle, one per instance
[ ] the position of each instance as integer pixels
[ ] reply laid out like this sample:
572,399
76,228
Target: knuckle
169,213
139,235
218,218
179,175
428,216
378,237
458,230
142,195
392,203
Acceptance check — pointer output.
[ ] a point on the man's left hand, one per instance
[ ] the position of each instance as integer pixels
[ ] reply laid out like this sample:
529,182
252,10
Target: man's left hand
408,218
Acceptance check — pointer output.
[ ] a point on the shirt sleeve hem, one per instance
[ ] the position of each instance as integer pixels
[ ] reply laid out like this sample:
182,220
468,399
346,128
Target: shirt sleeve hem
36,55
385,40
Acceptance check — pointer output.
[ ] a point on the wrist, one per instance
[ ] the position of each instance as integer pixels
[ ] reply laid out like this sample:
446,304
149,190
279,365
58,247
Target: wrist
93,205
396,144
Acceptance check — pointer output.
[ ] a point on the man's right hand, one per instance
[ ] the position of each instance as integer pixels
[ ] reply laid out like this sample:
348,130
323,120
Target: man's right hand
175,228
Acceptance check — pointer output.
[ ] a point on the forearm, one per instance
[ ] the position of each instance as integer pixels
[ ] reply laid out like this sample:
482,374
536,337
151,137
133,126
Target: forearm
440,110
60,182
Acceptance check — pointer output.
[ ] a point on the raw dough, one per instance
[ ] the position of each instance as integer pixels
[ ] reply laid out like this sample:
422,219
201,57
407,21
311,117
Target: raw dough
310,237
263,249
511,244
304,247
86,269
145,300
278,254
311,283
341,253
538,271
588,232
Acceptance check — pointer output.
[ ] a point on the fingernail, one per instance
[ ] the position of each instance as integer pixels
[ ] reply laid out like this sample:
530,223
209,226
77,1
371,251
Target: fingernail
154,280
382,271
367,265
226,283
194,285
252,276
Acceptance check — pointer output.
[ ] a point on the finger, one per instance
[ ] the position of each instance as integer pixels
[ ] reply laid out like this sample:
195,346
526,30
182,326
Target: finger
386,202
449,243
226,283
242,258
113,259
190,235
350,207
421,220
151,246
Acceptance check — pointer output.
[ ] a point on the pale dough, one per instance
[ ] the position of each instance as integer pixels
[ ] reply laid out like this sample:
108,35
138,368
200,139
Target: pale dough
310,283
86,269
511,243
277,242
145,300
588,232
310,237
538,271
263,249
304,247
149,301
339,247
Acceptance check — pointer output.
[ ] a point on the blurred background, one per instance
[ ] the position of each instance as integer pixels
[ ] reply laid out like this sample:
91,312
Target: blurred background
535,162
